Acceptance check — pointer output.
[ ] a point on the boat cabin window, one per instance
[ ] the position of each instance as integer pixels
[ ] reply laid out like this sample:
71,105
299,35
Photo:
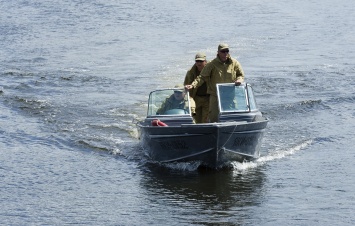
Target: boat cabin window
232,98
169,102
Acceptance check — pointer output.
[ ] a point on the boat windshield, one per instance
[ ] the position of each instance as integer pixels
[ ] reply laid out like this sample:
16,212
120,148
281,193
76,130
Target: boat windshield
168,102
232,98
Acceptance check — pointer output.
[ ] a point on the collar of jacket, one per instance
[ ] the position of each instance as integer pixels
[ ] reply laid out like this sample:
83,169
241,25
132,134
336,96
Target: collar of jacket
229,59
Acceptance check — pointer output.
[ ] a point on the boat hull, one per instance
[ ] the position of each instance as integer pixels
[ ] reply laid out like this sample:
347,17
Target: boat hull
213,144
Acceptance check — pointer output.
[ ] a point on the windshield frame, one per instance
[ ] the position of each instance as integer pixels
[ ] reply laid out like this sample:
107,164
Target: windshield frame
239,100
157,97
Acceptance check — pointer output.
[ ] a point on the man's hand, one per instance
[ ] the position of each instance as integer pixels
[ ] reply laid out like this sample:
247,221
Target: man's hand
238,82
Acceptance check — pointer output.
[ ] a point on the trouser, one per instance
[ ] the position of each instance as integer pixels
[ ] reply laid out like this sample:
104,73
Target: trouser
213,109
202,109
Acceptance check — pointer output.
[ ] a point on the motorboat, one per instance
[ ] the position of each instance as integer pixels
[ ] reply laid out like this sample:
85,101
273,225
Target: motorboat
172,136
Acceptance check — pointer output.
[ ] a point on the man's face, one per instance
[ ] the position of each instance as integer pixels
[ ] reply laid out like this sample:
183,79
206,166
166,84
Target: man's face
179,95
200,64
223,54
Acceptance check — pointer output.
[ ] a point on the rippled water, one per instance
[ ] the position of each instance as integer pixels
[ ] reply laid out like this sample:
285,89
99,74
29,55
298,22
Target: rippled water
75,76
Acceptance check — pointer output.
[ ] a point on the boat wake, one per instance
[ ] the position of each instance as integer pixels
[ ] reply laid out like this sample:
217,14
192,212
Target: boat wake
241,167
279,154
183,166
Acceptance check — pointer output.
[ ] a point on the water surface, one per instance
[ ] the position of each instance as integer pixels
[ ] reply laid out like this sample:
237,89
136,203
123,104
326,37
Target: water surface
74,79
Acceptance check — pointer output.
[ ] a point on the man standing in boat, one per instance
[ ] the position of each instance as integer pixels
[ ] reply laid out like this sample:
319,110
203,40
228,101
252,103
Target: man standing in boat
199,95
222,69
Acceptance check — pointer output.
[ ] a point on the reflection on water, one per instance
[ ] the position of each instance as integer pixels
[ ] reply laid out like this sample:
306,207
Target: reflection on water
225,190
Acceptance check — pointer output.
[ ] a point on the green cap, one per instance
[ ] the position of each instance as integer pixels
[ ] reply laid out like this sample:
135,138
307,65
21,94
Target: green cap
200,56
223,46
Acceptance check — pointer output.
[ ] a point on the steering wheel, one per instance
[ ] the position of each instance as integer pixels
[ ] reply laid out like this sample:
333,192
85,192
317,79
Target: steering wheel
176,111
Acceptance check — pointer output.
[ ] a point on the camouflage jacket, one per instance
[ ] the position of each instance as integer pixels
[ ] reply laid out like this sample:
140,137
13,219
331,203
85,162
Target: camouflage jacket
191,75
218,72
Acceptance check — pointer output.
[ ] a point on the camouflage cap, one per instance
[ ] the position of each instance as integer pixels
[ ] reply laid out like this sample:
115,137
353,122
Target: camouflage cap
223,46
200,56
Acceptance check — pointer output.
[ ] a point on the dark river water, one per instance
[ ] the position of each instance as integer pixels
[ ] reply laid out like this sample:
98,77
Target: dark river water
74,79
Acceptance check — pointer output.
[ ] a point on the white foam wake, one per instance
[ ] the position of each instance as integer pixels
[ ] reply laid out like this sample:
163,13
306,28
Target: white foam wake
284,153
278,154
